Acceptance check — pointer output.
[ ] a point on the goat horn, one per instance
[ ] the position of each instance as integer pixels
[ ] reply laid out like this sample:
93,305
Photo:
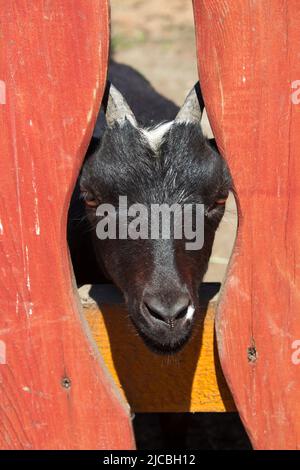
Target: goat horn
116,108
192,109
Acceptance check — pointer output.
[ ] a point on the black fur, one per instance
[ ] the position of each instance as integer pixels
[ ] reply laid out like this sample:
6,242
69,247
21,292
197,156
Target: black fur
184,169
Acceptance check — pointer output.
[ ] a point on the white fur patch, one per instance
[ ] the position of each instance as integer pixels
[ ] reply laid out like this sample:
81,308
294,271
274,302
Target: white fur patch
155,135
190,312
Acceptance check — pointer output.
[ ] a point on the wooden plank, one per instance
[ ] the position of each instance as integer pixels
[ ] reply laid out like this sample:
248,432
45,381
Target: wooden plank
248,62
188,381
55,392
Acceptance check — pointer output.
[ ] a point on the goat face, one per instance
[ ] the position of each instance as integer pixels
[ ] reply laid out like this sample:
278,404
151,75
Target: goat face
172,163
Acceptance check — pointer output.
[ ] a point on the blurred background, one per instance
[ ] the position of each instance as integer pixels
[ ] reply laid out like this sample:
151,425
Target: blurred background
157,39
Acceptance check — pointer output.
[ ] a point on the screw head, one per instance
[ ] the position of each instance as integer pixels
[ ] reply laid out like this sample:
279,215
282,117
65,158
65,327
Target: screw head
252,354
66,382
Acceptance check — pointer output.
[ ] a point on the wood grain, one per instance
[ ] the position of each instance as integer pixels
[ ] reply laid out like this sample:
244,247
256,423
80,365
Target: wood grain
188,381
55,392
248,57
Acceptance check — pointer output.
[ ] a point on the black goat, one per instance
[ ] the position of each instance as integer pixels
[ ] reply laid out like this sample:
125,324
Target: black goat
169,163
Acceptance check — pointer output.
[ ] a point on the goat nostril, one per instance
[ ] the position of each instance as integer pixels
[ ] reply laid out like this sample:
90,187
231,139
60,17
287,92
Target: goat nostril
168,314
155,313
182,313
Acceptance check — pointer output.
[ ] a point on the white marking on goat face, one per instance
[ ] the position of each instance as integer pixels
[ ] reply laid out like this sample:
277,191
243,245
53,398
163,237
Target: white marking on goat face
190,312
155,135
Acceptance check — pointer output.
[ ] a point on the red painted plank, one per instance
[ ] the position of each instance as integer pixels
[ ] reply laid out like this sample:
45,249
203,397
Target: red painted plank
53,59
248,54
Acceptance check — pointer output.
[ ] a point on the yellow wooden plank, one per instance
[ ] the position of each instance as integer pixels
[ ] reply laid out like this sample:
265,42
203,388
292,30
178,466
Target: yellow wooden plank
191,380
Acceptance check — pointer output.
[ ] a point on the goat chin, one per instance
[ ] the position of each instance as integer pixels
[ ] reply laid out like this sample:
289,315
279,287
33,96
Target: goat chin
169,346
164,349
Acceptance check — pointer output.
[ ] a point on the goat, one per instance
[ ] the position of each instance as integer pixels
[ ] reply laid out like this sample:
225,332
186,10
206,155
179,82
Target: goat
170,162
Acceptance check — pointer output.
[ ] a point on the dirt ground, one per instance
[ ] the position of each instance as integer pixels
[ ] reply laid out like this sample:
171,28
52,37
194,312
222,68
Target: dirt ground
157,39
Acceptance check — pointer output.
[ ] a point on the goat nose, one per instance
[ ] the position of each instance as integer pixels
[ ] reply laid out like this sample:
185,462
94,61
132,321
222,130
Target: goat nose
166,312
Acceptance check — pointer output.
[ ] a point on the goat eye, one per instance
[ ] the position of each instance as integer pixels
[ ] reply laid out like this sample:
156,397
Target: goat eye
221,201
92,203
89,199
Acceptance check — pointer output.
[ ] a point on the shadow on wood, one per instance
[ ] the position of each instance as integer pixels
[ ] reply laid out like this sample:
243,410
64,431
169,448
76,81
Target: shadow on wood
188,381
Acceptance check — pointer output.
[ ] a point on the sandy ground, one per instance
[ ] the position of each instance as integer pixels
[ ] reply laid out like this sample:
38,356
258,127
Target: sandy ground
157,38
159,42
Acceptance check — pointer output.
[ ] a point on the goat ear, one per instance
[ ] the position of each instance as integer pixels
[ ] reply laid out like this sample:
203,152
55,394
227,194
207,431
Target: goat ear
116,108
192,109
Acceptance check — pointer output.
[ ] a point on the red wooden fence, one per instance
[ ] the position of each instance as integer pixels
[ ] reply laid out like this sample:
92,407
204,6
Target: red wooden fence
54,390
248,55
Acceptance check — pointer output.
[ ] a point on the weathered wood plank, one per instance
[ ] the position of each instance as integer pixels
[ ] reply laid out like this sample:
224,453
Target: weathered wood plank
54,391
189,381
248,55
